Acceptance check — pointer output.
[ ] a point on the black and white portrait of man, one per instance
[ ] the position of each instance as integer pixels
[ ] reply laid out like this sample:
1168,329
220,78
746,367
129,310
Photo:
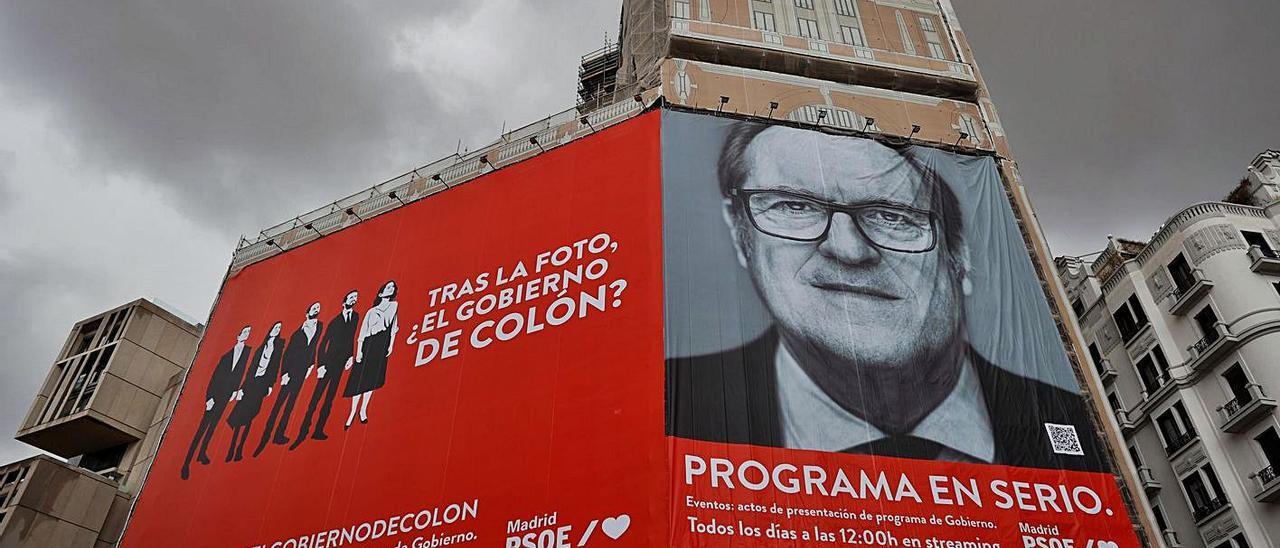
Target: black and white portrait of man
860,257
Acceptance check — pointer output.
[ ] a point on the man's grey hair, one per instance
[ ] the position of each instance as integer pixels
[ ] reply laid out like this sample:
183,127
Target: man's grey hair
734,168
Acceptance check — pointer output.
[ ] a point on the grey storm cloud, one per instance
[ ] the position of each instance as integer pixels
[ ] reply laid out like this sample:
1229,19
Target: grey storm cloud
6,179
192,122
42,287
1120,114
251,112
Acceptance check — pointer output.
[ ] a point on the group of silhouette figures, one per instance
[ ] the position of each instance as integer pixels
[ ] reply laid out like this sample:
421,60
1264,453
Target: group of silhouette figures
245,377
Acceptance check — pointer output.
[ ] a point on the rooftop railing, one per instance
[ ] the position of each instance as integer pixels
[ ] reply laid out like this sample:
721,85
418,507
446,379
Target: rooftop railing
1176,222
519,144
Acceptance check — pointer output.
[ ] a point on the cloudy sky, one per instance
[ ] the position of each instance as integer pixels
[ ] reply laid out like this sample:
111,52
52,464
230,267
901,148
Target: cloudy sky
139,139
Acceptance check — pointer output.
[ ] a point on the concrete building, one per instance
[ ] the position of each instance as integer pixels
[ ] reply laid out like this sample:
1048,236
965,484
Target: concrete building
103,407
1179,331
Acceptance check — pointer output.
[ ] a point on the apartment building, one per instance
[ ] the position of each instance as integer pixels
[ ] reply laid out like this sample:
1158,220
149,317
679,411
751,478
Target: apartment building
103,408
1178,330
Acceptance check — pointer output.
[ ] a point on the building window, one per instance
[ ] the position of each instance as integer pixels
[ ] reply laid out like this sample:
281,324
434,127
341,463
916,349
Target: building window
84,338
1180,271
1117,406
764,21
1237,541
1096,356
1238,388
845,7
806,4
105,460
1153,369
969,127
808,28
680,9
908,46
1269,442
1204,492
1136,456
1175,428
851,36
926,24
1207,320
936,51
1257,239
1161,522
1130,318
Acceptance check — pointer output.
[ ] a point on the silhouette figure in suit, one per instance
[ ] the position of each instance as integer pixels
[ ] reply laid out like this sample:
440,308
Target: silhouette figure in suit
299,357
257,385
223,387
336,353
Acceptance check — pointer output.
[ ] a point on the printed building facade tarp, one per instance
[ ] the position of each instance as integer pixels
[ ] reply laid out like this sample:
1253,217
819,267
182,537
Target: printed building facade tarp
681,330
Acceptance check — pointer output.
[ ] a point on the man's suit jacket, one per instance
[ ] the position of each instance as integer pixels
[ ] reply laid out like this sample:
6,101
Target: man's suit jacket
732,397
300,355
227,379
339,342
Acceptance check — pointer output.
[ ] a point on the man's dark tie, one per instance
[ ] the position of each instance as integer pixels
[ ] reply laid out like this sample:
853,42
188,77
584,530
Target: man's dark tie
903,446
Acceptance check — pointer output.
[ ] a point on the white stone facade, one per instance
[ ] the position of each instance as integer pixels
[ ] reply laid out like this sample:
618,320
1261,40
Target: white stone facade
1184,336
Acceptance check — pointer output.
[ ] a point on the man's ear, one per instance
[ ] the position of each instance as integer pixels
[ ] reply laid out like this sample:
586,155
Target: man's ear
728,210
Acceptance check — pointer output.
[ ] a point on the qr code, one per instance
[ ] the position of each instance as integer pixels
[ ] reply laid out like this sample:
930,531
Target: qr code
1064,439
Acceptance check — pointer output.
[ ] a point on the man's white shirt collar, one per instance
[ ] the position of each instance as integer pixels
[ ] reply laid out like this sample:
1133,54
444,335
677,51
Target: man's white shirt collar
812,420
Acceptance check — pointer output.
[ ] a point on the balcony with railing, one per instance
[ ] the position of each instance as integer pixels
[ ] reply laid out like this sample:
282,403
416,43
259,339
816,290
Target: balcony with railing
1105,371
1148,479
1263,260
1155,388
1213,347
1245,410
1171,539
1127,423
1180,441
1206,510
1268,484
1188,292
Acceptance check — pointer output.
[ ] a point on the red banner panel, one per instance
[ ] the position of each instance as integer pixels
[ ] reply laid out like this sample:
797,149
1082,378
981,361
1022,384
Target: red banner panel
740,495
481,367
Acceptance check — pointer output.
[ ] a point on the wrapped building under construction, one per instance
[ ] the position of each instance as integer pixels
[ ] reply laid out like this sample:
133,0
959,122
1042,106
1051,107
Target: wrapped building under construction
774,281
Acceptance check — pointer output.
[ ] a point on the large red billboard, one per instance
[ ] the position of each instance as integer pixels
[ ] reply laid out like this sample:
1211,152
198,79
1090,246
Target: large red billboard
512,384
683,330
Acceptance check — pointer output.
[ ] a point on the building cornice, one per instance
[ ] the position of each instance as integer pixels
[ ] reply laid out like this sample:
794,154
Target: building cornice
1183,218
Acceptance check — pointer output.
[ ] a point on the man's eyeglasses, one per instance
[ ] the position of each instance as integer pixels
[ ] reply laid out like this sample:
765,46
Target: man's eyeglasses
802,218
